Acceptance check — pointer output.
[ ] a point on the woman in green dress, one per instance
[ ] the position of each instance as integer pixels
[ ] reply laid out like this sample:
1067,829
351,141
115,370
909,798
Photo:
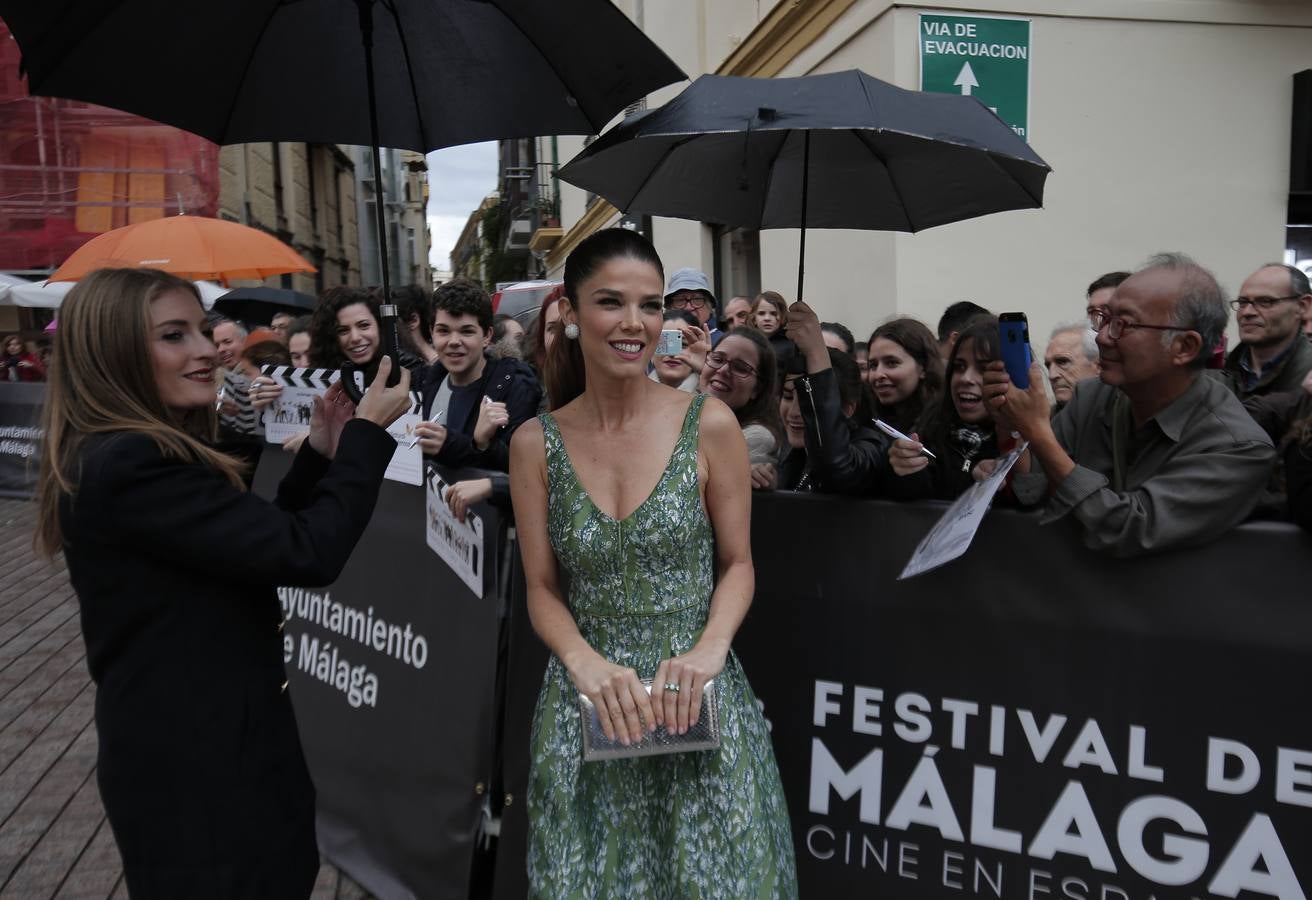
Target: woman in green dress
640,494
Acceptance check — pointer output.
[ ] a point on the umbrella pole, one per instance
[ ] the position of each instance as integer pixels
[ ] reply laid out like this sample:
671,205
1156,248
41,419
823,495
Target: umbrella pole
806,178
366,9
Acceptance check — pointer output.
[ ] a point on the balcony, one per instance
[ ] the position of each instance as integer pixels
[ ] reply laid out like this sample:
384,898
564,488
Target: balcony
544,238
519,233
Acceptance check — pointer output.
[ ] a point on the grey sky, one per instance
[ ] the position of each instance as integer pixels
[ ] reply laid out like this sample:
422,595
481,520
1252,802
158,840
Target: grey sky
458,180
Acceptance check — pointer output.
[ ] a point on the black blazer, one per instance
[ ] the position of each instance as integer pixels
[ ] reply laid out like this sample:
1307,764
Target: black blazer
505,380
200,765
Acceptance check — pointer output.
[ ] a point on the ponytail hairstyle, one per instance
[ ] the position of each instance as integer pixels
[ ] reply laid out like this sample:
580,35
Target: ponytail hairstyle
101,380
565,376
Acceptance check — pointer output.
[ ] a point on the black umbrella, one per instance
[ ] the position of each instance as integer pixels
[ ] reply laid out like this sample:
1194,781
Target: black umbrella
843,150
257,305
413,74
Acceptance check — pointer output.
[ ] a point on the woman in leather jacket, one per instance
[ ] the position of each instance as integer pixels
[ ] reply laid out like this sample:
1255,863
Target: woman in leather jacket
826,412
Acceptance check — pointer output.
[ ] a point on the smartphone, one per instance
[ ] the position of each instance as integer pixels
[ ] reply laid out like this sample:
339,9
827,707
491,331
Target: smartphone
1014,335
670,344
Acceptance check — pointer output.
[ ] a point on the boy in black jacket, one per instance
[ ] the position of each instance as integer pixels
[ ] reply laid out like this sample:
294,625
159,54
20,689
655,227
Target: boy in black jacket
472,403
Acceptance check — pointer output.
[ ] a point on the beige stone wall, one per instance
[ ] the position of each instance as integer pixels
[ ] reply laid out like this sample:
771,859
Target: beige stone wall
414,217
1167,124
325,232
1167,129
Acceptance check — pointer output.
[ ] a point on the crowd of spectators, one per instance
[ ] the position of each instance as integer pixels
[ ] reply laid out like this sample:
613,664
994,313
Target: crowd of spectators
1136,424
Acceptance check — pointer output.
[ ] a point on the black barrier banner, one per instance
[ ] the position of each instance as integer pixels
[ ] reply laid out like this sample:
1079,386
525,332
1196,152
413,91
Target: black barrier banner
1034,721
392,672
526,661
20,436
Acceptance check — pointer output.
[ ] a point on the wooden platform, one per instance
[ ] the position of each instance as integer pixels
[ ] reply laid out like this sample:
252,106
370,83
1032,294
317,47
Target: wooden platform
54,839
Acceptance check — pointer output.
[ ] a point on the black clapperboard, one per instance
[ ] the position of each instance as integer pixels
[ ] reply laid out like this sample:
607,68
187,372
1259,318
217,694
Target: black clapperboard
289,415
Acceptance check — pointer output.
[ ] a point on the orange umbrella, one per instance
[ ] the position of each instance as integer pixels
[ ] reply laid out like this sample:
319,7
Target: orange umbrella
192,247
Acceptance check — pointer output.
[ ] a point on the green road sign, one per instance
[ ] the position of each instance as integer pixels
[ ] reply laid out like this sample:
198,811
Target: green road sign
979,56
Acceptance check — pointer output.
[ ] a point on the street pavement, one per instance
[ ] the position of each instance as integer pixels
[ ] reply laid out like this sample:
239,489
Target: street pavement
54,839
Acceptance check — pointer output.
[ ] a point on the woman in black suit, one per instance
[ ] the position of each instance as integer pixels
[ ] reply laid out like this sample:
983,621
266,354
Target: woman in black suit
175,565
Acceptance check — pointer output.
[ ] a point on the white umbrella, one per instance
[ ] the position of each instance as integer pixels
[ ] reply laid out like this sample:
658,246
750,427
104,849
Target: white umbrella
35,294
50,294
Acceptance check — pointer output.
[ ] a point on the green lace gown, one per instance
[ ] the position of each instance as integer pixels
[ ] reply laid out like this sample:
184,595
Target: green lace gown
709,824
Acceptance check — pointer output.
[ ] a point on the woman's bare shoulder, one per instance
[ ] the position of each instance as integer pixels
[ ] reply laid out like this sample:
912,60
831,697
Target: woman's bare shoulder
528,440
718,421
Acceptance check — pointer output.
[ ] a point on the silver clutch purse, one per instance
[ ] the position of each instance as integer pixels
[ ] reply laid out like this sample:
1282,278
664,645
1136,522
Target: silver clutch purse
704,734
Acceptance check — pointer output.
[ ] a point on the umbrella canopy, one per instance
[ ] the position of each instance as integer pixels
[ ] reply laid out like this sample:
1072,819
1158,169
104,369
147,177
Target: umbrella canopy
189,246
447,71
257,305
51,294
732,151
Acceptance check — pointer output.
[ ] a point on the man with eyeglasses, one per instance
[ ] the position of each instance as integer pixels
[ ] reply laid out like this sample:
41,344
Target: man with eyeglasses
690,289
1099,293
1273,355
1154,453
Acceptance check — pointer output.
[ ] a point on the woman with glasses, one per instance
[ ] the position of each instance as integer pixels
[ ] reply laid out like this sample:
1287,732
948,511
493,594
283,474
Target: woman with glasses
742,372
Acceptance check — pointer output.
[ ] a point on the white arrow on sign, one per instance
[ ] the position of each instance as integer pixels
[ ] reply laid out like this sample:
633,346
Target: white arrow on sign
966,80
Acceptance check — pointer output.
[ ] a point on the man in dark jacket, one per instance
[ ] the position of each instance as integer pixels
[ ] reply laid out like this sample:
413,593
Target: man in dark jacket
472,403
1273,355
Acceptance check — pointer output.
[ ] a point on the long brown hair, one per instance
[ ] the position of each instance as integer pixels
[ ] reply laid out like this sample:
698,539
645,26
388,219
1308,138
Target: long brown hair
101,380
565,376
763,409
325,347
921,345
939,420
535,340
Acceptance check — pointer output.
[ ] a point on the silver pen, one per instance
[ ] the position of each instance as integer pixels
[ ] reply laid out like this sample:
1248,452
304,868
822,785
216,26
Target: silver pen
899,436
417,439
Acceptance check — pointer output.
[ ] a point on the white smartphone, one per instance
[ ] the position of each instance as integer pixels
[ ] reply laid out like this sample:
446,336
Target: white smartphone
670,344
